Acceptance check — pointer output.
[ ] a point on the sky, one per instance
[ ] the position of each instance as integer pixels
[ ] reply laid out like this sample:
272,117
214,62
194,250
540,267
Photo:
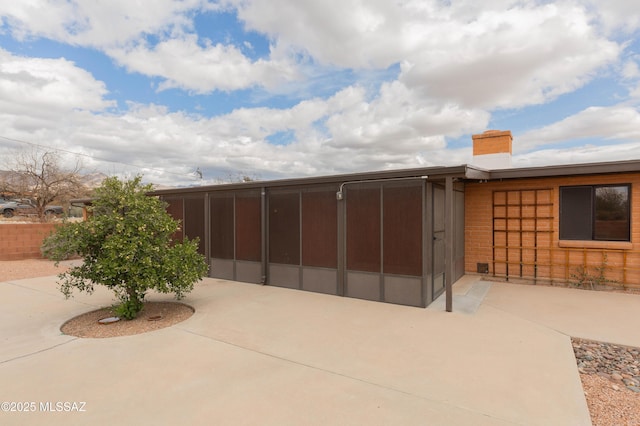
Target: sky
192,92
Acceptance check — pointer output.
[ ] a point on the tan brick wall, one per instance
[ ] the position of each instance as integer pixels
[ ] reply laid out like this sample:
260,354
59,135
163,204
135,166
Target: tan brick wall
561,258
492,142
23,240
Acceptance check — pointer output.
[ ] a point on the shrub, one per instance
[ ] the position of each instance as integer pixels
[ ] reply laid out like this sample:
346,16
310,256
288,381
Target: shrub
126,246
583,277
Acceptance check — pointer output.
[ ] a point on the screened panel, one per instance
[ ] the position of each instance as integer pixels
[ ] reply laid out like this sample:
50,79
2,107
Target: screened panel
438,208
319,229
402,224
284,228
438,240
194,221
363,229
248,227
221,226
175,209
458,246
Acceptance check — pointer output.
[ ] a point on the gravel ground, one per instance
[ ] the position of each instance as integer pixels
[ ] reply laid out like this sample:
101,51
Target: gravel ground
610,377
154,316
610,404
610,401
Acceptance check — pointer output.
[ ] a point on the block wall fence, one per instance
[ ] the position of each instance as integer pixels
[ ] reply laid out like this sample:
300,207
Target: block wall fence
23,240
539,253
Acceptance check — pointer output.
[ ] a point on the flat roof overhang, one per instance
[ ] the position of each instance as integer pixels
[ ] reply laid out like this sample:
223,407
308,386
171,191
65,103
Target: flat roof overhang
465,172
432,173
566,170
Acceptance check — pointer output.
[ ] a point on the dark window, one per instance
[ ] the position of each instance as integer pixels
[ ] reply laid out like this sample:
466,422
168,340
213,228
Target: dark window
599,212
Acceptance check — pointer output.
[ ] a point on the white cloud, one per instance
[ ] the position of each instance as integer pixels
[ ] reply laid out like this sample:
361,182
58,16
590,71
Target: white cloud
617,15
630,69
510,59
97,24
344,133
37,93
399,119
578,154
458,62
184,64
522,53
120,28
349,33
619,122
499,54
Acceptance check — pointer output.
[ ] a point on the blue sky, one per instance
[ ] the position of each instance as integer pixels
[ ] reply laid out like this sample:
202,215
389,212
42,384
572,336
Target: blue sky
283,89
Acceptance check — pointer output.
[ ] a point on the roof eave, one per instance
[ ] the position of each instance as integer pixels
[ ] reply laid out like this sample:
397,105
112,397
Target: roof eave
462,171
567,170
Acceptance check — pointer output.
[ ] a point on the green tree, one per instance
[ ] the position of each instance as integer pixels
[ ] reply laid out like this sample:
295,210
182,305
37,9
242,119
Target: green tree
126,246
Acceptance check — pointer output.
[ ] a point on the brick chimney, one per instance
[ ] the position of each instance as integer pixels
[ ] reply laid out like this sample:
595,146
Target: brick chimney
492,149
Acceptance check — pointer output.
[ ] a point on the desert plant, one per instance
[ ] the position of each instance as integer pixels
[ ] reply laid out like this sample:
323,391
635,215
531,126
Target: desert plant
584,277
126,246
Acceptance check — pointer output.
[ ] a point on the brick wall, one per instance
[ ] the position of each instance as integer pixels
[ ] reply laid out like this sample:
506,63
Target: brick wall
556,260
23,240
492,142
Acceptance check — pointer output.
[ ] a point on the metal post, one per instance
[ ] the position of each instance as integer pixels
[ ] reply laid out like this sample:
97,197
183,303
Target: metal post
449,220
263,233
342,242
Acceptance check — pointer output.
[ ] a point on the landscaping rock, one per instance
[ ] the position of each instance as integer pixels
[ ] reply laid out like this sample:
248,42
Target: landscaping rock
620,364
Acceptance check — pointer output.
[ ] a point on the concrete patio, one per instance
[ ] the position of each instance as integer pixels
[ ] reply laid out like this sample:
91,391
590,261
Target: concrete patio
272,356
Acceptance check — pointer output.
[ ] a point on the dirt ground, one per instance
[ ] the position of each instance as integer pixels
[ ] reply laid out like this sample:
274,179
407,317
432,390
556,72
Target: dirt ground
31,268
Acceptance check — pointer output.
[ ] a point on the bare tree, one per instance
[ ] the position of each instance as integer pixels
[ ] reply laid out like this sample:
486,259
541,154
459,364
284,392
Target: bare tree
40,176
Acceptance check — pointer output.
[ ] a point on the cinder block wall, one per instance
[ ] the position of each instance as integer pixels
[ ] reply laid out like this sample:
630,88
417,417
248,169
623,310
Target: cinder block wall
23,240
479,231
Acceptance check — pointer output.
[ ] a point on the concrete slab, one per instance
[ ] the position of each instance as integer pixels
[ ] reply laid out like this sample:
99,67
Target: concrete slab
265,355
32,311
598,315
468,294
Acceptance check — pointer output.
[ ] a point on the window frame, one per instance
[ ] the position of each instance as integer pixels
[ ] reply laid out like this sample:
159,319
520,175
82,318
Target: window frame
593,212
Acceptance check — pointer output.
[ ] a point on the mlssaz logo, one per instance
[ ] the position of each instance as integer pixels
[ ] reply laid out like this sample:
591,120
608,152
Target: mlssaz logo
65,406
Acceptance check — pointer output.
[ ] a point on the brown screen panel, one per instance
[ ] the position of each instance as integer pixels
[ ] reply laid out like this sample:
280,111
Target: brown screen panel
319,229
248,227
284,228
194,221
363,229
175,209
402,235
221,211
